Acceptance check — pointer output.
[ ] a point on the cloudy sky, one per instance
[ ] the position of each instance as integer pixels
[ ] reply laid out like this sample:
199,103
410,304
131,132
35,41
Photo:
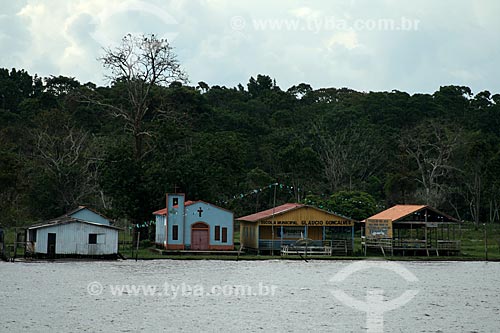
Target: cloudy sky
368,45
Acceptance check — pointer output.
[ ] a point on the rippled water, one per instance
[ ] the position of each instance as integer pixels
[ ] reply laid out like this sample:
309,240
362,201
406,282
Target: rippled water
42,296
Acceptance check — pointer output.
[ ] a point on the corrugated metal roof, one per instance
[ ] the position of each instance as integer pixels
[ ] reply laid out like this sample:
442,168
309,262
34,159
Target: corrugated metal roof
88,208
400,211
79,208
269,212
66,220
397,212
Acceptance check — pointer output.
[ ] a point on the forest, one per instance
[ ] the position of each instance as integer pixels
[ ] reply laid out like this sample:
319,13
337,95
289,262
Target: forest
119,148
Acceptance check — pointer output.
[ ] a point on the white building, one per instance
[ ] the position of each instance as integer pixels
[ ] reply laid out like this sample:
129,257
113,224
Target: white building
81,232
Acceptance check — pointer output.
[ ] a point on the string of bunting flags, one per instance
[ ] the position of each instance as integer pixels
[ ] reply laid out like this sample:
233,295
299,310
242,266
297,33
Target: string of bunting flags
258,190
234,197
142,225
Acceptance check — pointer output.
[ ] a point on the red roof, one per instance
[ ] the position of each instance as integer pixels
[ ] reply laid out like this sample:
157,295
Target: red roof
269,212
161,212
164,210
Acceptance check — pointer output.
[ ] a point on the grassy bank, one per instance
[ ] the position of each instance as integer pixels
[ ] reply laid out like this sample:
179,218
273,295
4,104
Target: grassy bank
472,248
472,244
473,241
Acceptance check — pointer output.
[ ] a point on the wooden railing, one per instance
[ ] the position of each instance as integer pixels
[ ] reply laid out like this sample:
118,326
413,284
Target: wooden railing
341,246
447,245
383,244
266,244
306,250
410,244
320,247
388,244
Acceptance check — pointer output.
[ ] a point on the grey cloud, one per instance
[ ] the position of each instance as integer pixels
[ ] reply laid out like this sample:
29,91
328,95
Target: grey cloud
14,39
455,43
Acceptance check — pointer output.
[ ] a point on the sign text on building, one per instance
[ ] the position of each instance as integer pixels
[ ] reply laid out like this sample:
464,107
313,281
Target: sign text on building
320,223
375,228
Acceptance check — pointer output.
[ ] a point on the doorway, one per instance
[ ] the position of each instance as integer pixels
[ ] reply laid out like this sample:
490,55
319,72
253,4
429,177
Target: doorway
51,244
199,236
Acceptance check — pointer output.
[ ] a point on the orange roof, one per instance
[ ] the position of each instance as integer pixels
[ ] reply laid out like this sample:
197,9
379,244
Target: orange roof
397,212
269,212
161,212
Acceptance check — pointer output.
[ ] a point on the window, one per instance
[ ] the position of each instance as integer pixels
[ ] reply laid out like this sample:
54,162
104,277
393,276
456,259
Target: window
175,201
293,232
224,235
32,234
175,232
217,233
92,238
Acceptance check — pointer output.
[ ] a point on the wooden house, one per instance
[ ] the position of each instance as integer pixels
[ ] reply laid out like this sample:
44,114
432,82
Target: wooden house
193,225
81,232
282,228
411,229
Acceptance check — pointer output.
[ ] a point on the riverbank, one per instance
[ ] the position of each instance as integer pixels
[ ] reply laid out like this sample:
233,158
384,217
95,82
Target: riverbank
152,254
268,258
474,247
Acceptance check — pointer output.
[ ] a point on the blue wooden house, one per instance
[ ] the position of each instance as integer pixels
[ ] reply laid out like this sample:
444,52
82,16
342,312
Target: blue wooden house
193,225
81,232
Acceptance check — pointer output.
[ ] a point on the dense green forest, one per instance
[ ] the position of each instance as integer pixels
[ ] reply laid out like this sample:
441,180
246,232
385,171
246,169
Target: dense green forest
120,148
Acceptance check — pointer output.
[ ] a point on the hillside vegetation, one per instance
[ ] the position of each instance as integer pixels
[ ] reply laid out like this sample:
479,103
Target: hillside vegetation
64,143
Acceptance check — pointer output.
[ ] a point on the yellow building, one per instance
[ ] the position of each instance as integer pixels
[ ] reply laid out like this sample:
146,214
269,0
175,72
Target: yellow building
290,224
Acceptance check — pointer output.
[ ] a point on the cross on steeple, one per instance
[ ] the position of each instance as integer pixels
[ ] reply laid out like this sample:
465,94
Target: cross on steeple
200,211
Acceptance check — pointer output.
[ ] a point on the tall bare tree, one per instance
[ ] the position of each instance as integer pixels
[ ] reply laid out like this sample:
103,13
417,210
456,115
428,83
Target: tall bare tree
348,156
140,63
431,146
476,182
69,157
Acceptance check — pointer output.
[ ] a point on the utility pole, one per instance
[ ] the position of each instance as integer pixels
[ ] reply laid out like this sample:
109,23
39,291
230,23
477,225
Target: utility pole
272,221
137,247
485,243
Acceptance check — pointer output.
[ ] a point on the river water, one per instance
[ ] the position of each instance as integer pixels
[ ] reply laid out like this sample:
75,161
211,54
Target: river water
249,296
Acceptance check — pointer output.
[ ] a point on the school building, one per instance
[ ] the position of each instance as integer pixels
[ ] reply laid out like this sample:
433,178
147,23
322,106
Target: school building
294,228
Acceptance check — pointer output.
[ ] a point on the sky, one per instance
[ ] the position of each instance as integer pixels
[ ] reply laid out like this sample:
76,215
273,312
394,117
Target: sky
366,45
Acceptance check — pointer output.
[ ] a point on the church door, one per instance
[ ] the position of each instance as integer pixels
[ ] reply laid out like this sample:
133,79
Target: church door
199,236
